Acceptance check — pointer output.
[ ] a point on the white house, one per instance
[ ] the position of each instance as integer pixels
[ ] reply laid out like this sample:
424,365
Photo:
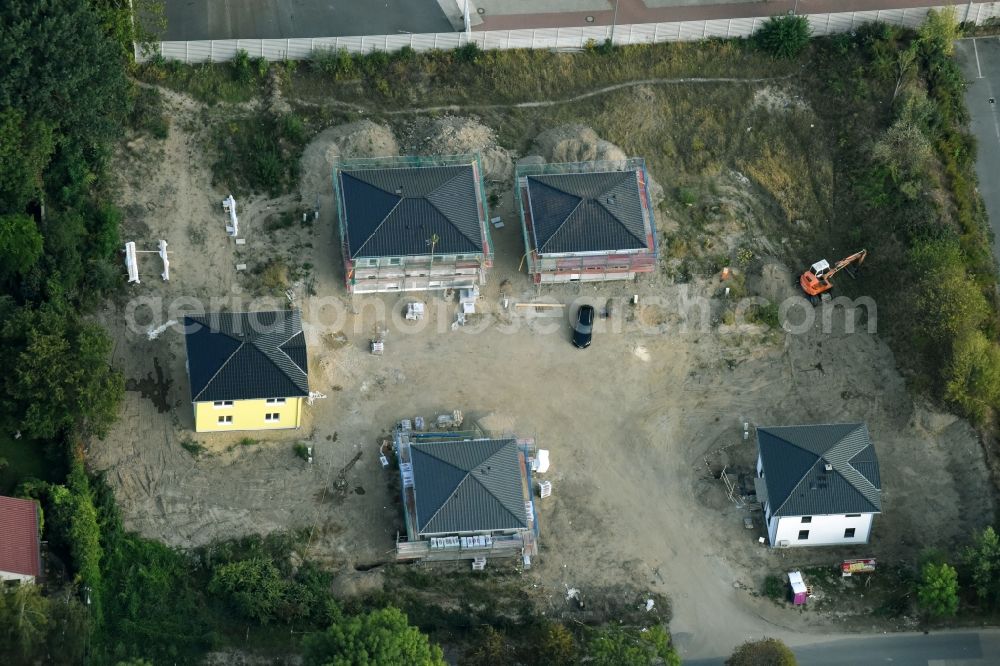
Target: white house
819,484
20,545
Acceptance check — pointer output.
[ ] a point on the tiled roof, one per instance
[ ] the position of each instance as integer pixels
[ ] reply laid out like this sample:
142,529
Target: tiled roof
395,211
587,212
19,539
468,486
795,460
246,355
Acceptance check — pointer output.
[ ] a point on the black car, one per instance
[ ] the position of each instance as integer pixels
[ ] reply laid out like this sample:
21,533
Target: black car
583,329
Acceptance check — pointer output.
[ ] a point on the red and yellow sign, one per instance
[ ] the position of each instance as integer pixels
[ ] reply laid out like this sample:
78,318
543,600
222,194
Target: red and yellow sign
848,567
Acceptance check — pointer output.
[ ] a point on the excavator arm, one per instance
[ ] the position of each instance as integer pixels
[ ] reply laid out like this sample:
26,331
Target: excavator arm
816,281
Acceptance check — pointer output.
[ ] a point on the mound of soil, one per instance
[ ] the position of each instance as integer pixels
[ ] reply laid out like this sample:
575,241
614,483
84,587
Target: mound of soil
359,139
456,135
579,143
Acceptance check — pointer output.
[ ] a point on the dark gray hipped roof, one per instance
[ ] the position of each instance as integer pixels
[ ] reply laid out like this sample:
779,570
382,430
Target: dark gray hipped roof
587,212
468,486
795,458
246,355
395,211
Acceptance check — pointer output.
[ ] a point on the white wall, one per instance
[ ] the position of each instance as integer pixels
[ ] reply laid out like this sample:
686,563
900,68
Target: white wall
823,530
571,38
23,578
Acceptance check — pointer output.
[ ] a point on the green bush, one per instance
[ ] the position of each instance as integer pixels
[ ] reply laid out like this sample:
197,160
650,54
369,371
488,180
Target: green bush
241,67
982,559
774,588
937,591
381,637
336,63
468,52
973,375
254,587
766,652
783,36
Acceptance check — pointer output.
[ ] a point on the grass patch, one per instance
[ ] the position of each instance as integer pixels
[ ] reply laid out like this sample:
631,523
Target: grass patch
193,447
235,82
301,450
260,152
248,441
147,115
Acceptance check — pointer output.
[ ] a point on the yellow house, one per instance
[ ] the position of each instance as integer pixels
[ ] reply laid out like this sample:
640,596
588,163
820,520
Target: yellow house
247,370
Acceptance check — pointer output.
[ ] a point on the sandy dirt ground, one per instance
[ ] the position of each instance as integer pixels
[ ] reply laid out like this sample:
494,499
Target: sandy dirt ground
638,426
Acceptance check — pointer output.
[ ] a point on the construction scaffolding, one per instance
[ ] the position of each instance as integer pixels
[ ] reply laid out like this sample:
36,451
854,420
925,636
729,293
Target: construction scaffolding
417,271
465,546
592,266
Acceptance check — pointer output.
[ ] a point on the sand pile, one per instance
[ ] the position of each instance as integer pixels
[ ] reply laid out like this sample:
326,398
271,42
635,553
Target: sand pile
579,143
360,139
575,143
455,135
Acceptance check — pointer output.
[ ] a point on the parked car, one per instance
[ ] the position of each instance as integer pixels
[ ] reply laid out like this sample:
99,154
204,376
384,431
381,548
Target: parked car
583,329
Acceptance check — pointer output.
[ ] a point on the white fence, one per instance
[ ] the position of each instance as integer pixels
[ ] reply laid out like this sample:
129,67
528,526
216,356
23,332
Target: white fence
548,38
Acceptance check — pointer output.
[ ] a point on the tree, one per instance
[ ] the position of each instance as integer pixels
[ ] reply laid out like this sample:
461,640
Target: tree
20,245
937,591
25,150
556,646
948,301
783,36
492,649
983,560
766,652
38,629
973,375
618,646
938,32
381,637
254,586
59,377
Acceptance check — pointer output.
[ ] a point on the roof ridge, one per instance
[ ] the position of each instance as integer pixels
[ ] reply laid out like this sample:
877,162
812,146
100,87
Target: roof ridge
384,218
579,202
610,192
499,501
427,198
454,490
823,457
777,509
224,363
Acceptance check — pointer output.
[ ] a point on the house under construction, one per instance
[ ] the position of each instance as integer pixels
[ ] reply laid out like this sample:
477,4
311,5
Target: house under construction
586,221
412,223
466,495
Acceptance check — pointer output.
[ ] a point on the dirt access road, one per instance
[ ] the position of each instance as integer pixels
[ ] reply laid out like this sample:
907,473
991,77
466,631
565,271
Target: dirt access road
635,425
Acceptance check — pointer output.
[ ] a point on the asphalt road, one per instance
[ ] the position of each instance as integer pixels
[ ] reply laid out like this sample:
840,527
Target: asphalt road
980,61
189,20
953,648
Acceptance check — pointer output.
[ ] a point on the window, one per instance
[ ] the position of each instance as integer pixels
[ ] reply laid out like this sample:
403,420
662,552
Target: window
222,403
226,420
854,515
273,417
803,535
369,262
395,261
806,520
275,401
849,533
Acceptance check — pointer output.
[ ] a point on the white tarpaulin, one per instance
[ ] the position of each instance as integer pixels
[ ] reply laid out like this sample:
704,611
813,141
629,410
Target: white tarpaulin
229,205
130,262
541,461
166,262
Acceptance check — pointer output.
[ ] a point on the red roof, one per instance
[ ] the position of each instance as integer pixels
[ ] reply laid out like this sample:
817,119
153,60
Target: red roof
19,547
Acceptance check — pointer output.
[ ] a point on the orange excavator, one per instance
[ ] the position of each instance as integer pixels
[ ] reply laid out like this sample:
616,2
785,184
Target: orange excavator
815,282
